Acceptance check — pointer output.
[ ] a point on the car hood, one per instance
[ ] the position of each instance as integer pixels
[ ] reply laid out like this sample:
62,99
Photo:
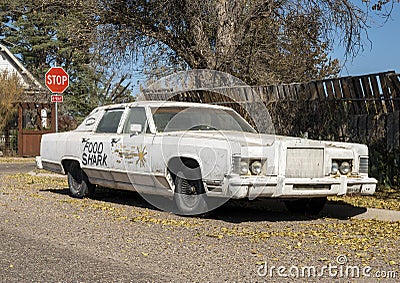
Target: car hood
244,138
255,139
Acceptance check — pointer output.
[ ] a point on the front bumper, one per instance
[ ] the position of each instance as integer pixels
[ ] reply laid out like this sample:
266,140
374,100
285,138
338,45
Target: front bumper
281,187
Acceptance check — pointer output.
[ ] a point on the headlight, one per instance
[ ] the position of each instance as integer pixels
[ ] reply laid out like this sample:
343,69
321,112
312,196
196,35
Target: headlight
344,167
335,168
244,167
256,167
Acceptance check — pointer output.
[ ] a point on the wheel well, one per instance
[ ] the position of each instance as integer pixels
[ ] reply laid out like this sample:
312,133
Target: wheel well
67,164
189,164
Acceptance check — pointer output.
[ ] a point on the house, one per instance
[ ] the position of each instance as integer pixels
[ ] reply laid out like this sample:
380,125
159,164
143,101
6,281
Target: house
10,63
35,112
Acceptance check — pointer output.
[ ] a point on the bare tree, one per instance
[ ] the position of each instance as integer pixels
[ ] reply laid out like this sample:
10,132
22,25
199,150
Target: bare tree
261,41
10,90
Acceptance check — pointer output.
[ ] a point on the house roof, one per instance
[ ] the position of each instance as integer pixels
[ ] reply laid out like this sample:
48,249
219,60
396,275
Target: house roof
34,90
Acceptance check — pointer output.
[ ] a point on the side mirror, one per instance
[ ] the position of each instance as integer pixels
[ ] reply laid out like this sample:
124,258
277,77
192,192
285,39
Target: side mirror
136,128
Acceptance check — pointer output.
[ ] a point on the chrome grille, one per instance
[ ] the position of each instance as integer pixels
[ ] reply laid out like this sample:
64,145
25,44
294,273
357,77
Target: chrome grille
363,165
304,162
236,164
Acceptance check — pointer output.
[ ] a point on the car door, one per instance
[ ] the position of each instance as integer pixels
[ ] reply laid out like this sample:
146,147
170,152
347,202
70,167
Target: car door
138,153
98,148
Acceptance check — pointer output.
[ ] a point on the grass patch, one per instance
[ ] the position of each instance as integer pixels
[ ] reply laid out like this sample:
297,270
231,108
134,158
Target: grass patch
382,201
17,160
21,181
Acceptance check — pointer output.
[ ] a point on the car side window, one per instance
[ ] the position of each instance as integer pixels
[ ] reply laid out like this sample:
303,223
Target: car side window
137,115
110,121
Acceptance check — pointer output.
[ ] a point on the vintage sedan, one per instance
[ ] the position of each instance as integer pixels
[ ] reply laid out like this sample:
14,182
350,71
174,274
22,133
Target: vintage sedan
200,155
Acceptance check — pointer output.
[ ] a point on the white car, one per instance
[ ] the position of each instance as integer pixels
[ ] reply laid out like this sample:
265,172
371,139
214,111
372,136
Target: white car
200,154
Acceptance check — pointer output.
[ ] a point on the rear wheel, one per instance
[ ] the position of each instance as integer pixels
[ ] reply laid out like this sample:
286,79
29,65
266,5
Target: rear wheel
190,196
307,205
78,182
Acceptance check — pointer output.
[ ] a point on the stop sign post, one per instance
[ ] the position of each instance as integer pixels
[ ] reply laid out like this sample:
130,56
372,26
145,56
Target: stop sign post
57,81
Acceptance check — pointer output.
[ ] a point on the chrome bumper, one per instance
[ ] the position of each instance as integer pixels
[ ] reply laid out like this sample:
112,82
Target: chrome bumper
281,187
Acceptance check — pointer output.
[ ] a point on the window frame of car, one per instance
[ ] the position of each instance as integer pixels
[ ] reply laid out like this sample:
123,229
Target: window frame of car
124,118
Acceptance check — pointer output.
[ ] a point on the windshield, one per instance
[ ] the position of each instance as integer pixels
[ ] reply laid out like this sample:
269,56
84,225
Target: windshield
168,119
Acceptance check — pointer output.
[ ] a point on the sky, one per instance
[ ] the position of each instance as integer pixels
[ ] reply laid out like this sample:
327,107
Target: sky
382,55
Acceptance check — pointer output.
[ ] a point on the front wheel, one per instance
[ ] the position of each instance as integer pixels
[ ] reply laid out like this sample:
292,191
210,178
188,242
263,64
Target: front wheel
78,182
190,197
306,205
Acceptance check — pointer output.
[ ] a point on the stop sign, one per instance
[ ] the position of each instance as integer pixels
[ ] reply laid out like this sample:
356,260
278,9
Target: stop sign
57,80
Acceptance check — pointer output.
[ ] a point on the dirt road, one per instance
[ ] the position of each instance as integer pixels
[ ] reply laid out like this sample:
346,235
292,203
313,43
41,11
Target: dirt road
118,237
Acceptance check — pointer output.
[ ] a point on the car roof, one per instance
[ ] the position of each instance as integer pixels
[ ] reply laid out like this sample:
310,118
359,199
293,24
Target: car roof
153,103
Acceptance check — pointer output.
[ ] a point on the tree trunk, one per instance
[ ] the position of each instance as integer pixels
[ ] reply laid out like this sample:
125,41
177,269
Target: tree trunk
225,34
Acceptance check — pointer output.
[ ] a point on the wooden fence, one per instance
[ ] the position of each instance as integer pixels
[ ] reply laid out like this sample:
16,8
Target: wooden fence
368,106
369,94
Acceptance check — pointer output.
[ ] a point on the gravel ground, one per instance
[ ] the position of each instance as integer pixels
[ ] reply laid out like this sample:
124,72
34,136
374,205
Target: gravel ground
118,237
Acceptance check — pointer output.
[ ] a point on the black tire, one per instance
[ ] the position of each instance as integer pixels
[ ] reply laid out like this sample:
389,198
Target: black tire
311,206
78,182
190,196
